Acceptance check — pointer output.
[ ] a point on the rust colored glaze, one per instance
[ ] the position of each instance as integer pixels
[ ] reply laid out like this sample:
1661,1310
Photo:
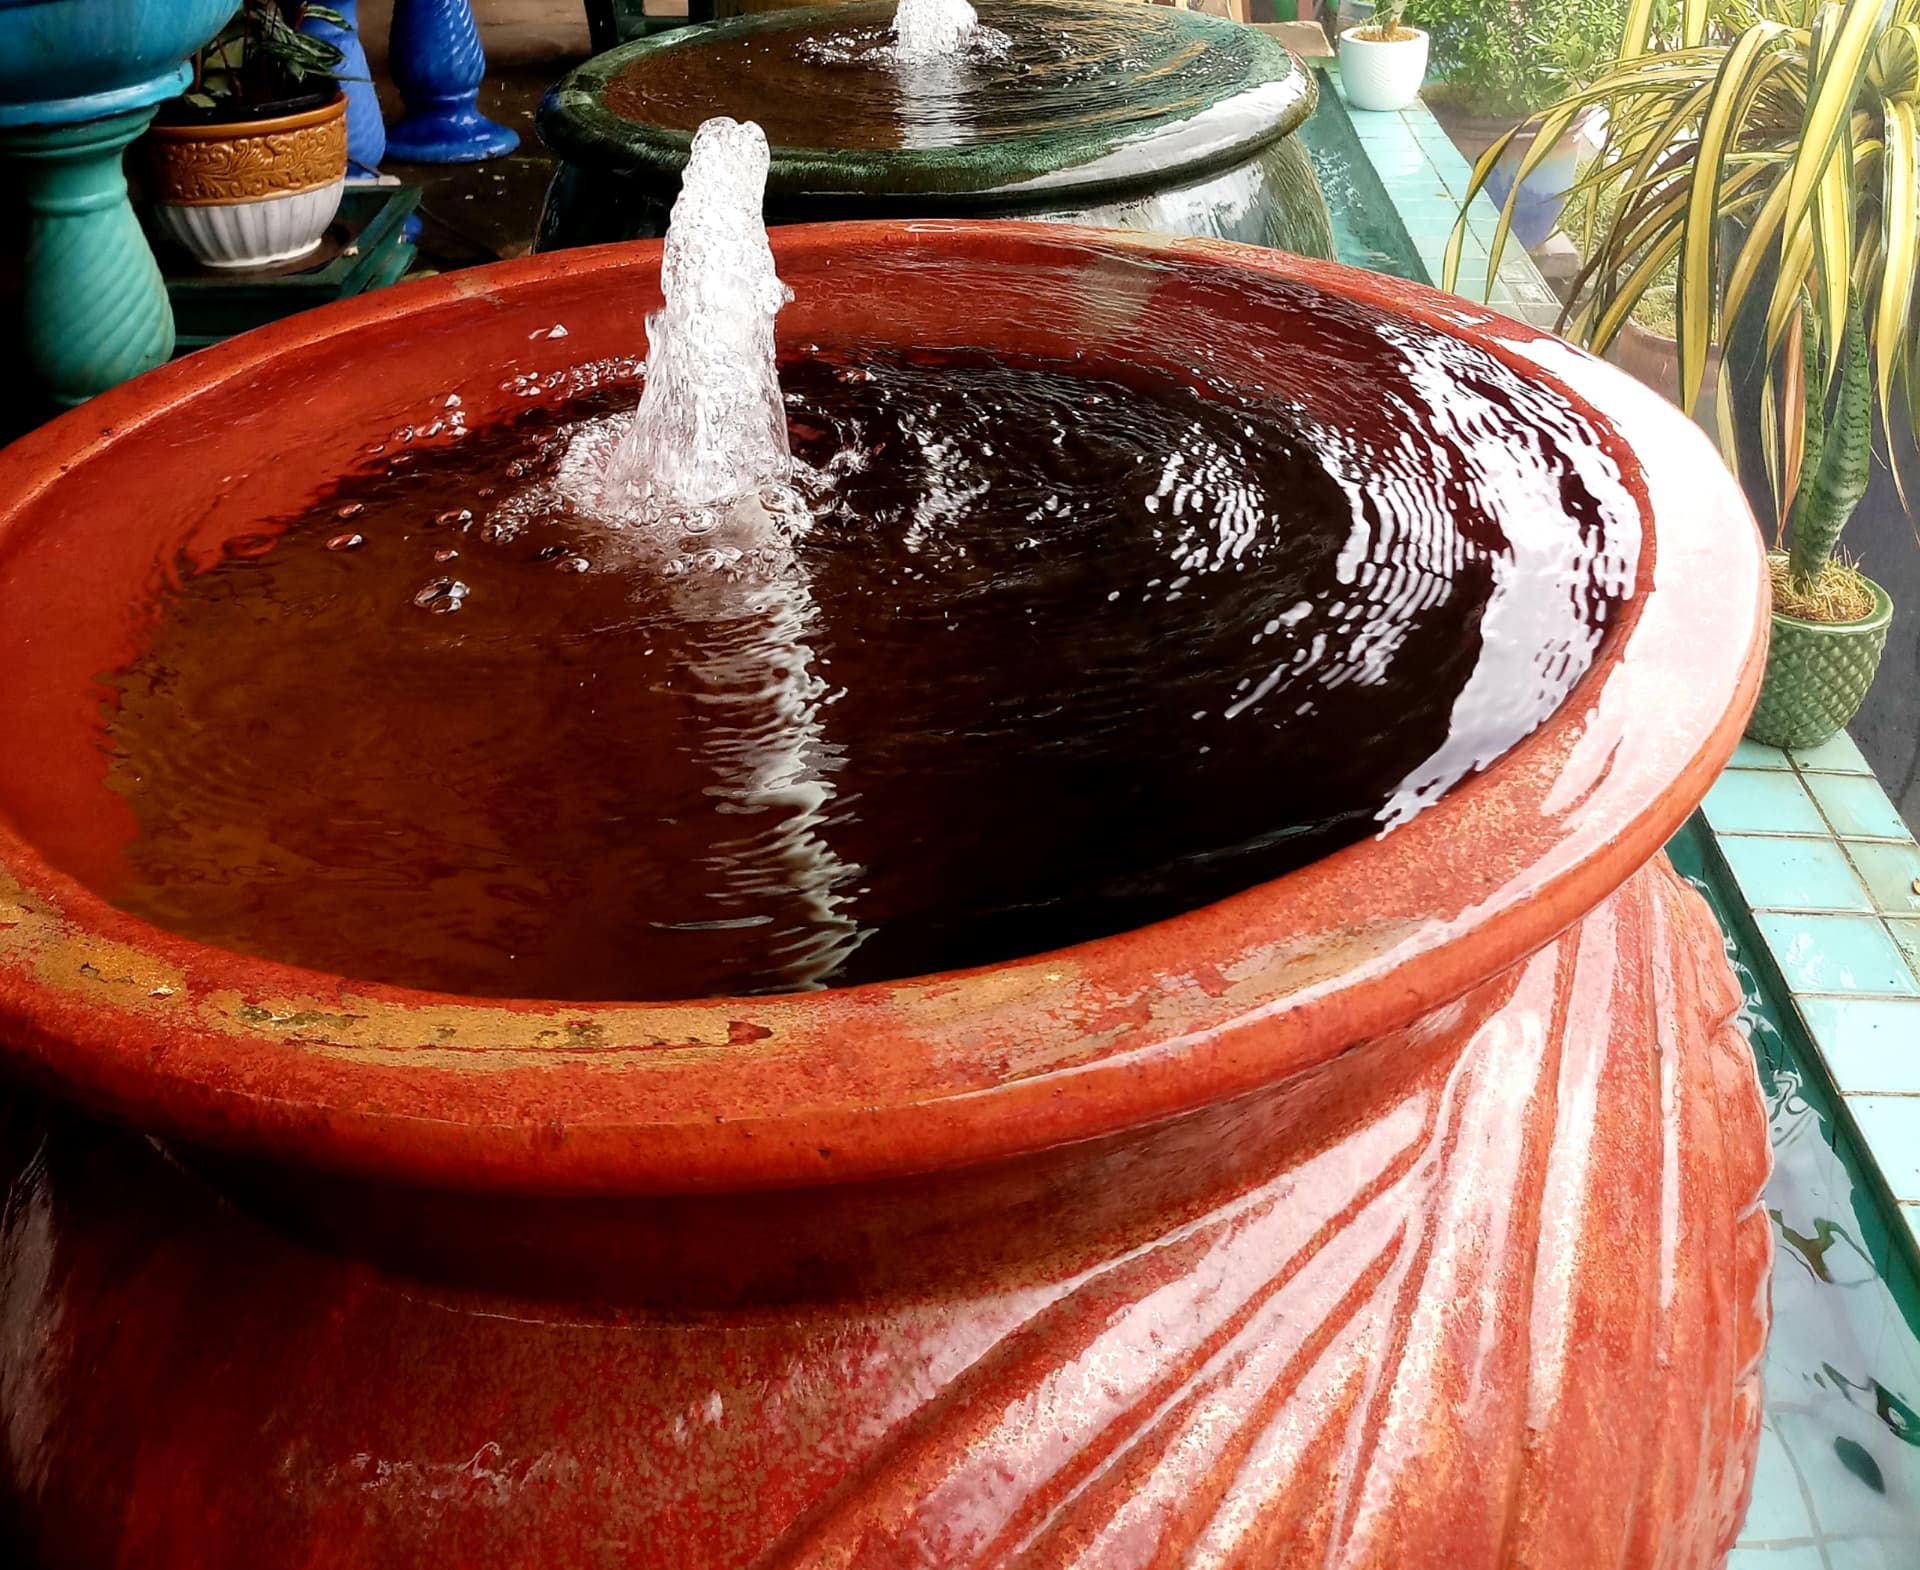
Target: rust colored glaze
1400,1212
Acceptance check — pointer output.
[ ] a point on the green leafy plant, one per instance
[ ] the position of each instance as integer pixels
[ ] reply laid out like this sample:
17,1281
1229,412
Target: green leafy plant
1504,57
262,57
1764,155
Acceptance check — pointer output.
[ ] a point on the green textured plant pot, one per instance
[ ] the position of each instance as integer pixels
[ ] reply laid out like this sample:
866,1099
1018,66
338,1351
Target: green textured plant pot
1818,675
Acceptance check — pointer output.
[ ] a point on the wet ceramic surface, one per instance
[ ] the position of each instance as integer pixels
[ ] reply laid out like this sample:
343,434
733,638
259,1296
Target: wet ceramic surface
1271,1230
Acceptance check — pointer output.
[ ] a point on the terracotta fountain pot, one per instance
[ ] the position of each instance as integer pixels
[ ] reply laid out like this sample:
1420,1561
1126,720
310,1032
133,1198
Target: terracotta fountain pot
1400,1212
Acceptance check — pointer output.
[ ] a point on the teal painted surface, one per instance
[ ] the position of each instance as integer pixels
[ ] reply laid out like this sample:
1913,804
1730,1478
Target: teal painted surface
1426,179
1838,1480
1756,801
1367,228
95,307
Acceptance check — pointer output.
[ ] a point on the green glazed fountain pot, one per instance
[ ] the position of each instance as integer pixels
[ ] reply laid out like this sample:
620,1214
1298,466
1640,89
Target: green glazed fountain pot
1104,112
1401,1212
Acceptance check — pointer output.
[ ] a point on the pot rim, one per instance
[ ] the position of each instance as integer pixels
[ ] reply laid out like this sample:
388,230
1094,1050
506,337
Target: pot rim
1874,621
1347,37
243,130
575,123
934,1072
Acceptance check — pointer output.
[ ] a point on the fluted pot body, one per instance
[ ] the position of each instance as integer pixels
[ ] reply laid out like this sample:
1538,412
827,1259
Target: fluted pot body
1403,1211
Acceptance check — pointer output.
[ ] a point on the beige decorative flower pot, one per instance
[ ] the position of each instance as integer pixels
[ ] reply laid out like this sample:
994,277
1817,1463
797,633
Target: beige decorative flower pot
252,193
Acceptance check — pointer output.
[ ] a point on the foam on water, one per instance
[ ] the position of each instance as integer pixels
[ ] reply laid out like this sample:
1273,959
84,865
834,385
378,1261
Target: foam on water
928,30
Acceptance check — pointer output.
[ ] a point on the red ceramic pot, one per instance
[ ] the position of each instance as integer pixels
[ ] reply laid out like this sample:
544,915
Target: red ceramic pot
1399,1212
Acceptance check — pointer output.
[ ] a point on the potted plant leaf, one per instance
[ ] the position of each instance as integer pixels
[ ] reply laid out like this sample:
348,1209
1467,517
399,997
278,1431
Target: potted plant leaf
1764,158
1497,62
1383,61
247,169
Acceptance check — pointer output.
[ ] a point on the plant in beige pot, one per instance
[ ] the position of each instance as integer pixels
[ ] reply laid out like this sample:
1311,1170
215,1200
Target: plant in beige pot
247,169
1383,62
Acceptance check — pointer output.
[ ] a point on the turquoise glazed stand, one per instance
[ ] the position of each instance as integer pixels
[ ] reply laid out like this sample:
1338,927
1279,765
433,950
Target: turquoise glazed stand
79,80
96,308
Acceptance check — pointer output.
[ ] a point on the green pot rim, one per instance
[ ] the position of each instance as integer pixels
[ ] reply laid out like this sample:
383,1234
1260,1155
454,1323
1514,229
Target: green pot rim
1048,169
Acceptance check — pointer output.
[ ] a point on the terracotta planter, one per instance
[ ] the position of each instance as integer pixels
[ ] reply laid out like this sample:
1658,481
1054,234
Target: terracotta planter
1402,1211
1654,358
249,194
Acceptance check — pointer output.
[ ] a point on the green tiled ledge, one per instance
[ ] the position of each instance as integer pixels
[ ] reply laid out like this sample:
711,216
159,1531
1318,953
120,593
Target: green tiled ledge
1832,878
1427,179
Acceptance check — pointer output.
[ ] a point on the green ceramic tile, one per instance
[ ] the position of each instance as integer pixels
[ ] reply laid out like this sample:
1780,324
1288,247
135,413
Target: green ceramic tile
1856,806
1868,1043
1838,756
1891,1128
1778,1509
1891,873
1753,755
1747,801
1836,954
1788,1556
1788,874
1906,933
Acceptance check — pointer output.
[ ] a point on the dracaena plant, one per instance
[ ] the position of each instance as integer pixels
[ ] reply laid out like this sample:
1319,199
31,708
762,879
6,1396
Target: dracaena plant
1763,154
262,57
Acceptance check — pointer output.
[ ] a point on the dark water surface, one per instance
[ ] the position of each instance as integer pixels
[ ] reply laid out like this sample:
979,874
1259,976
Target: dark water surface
1062,652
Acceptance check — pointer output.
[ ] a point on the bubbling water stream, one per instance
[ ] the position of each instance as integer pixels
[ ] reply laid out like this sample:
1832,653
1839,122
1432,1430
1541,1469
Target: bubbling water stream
710,435
925,31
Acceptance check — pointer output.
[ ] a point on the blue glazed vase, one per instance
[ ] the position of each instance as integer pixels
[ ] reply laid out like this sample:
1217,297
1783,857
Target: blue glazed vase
438,65
366,130
63,61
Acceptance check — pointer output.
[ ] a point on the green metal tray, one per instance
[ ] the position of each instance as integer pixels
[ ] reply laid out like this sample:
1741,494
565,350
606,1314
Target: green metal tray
366,249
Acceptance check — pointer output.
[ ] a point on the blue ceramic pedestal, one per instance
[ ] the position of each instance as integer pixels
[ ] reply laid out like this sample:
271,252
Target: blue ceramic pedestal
366,130
438,65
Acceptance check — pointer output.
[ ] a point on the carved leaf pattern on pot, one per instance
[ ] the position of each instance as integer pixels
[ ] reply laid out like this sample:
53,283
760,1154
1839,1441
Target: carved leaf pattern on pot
246,166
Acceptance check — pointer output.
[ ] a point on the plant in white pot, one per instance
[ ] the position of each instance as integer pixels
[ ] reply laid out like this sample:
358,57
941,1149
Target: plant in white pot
247,169
1383,61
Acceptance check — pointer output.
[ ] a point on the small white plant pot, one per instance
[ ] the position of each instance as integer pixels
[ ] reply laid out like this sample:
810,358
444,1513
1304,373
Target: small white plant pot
1382,74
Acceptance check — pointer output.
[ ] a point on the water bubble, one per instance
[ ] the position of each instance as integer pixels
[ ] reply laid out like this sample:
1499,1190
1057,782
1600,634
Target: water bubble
442,596
351,510
445,553
250,547
574,564
346,542
452,518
